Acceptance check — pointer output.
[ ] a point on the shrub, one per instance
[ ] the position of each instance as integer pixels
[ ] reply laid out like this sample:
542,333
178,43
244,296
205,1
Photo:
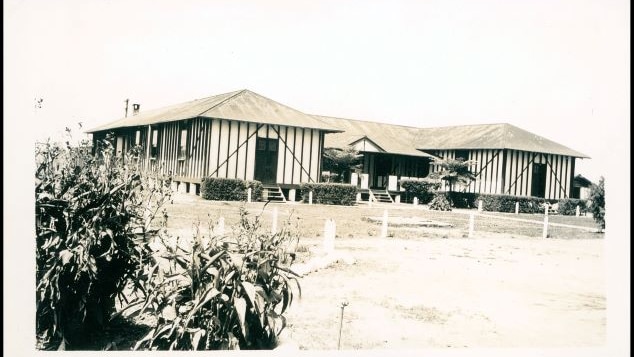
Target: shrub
226,293
506,203
440,202
463,199
423,189
568,206
330,193
226,189
88,211
597,203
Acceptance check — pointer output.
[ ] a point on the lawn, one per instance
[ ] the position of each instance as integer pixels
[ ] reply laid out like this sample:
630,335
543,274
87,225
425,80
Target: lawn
426,287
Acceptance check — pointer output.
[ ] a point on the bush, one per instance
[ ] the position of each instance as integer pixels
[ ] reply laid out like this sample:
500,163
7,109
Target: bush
89,212
440,202
506,203
597,203
423,190
226,189
226,292
330,193
568,206
463,199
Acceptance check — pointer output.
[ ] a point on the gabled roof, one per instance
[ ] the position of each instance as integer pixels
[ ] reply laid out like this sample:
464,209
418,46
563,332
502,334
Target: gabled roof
242,105
394,139
489,136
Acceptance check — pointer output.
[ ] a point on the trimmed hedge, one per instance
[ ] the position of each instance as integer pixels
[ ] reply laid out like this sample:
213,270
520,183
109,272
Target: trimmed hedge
423,190
506,203
568,206
330,193
463,199
224,189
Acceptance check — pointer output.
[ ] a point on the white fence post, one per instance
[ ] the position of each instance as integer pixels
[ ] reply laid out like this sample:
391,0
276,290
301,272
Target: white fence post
384,225
415,201
578,211
358,199
517,208
310,197
471,224
249,195
330,231
480,206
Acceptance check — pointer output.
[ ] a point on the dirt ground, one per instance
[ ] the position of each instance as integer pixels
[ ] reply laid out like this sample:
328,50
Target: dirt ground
456,292
434,287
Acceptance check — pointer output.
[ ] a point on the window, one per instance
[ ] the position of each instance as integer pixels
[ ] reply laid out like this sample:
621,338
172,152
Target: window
154,148
182,147
462,154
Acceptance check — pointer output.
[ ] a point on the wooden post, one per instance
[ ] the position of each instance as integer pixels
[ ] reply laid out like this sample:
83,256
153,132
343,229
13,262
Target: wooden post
471,224
384,225
249,195
517,208
329,236
291,194
480,206
415,201
397,199
545,230
578,211
310,197
274,221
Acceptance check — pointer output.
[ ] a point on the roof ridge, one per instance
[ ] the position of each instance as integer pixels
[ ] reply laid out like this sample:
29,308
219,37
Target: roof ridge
235,94
366,121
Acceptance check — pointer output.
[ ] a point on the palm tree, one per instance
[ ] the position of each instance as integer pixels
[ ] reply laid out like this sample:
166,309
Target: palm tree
453,171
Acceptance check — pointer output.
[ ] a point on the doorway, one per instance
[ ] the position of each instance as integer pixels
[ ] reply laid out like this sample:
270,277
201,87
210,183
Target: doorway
266,160
538,186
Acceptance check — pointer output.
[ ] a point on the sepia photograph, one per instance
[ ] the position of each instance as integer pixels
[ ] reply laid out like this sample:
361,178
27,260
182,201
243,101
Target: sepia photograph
334,177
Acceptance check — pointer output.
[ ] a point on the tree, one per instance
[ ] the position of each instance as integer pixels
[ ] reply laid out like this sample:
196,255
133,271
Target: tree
453,171
597,203
341,161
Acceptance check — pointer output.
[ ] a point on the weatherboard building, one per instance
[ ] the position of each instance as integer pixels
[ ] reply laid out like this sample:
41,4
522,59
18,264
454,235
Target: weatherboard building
247,136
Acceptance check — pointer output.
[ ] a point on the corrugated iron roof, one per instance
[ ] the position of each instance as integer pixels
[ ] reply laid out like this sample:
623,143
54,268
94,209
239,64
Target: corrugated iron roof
395,139
407,140
242,105
489,136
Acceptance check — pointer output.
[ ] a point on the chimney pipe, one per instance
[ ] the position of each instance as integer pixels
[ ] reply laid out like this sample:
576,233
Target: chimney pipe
135,109
126,107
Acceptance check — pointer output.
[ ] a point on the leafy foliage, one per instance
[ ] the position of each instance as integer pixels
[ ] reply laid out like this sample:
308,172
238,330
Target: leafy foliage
330,193
222,292
422,189
506,203
440,202
454,172
568,206
340,162
89,213
597,203
226,189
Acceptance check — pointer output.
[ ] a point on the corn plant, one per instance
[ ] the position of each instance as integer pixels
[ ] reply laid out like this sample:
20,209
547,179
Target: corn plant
222,292
90,213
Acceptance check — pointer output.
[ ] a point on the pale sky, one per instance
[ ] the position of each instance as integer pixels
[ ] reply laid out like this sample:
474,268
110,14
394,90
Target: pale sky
558,68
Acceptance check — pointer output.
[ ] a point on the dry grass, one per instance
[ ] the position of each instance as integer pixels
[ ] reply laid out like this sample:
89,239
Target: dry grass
432,287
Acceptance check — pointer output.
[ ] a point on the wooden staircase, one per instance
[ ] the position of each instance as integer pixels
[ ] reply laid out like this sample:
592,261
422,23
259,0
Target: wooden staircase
380,196
273,193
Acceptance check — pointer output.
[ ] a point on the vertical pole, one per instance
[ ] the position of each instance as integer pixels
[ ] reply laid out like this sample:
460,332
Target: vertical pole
343,305
415,201
480,206
126,107
274,223
384,225
517,208
310,197
358,198
578,211
249,195
471,224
